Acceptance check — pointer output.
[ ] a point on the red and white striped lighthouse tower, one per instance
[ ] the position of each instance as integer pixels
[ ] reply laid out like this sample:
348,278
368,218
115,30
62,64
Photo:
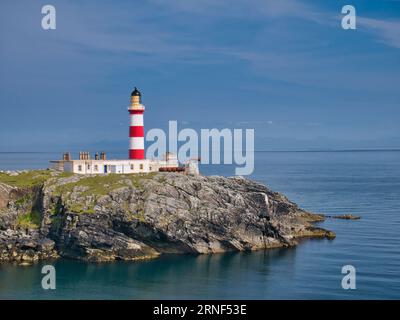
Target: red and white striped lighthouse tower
136,130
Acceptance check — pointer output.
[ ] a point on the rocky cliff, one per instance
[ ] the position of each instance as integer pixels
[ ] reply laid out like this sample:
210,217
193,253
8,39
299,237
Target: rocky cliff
46,214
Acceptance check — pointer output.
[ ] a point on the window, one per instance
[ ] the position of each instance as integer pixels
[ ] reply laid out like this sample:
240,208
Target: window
79,168
141,166
88,166
96,168
132,167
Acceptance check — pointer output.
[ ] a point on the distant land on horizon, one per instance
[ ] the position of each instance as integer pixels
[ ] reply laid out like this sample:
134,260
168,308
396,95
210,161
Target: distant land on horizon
120,152
261,144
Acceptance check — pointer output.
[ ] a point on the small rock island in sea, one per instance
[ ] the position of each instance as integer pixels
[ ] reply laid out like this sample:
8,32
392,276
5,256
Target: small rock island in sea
47,214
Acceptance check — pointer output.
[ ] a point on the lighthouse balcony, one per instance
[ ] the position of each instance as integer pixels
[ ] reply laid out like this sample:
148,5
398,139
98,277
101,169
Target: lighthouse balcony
139,107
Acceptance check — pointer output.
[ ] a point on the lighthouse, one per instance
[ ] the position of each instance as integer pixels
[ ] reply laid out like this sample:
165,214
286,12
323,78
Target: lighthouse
137,163
136,129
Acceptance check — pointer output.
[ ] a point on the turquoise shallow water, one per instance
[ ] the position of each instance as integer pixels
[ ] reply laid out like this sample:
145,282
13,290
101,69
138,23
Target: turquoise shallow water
360,183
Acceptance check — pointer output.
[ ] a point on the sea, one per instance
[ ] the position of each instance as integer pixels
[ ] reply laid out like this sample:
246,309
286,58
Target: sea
365,183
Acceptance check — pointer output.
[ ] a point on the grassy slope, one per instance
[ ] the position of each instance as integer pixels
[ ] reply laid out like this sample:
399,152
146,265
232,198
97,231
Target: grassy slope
26,179
95,186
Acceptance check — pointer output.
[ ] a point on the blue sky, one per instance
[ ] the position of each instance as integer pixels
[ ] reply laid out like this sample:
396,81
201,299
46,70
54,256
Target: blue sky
285,68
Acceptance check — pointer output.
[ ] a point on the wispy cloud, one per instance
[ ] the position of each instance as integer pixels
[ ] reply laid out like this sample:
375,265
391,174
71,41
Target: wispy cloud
385,31
177,31
247,10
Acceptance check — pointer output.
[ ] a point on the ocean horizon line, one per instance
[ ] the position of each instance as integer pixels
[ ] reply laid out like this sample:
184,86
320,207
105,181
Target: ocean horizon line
256,151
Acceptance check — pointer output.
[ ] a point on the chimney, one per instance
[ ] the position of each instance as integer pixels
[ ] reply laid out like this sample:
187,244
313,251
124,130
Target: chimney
66,156
84,155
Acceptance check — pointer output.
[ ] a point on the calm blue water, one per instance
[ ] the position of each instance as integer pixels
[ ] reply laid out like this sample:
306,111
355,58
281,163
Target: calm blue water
360,183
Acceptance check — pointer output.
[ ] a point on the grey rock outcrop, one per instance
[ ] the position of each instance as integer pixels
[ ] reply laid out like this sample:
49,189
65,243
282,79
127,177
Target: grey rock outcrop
106,218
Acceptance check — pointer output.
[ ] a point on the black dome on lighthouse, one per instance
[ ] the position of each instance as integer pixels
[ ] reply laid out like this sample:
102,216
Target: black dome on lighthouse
136,92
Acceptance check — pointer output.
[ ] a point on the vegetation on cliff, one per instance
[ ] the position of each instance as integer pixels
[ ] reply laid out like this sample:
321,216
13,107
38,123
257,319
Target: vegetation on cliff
109,217
25,179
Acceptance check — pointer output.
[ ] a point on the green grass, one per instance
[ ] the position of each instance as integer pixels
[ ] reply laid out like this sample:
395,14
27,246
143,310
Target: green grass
26,179
29,220
140,216
65,175
55,208
24,200
81,208
97,186
103,184
137,214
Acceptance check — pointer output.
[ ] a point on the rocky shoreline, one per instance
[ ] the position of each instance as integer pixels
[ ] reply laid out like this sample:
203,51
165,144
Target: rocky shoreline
344,217
47,214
